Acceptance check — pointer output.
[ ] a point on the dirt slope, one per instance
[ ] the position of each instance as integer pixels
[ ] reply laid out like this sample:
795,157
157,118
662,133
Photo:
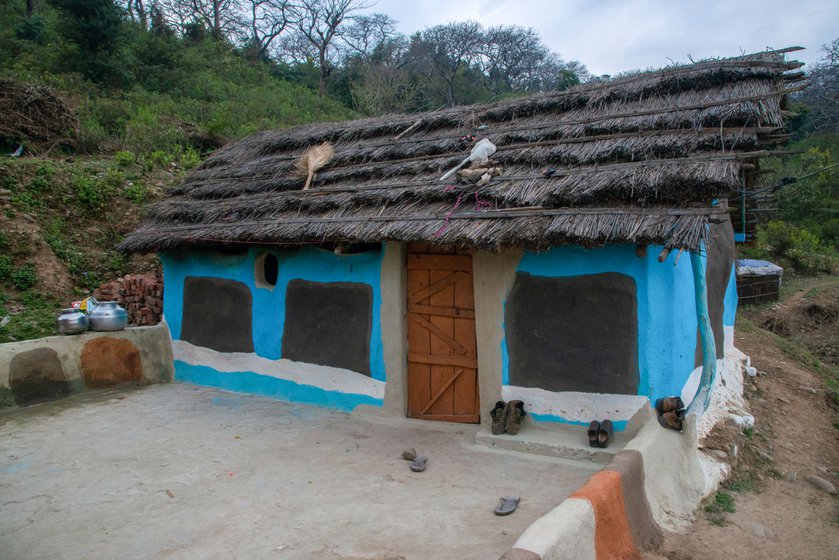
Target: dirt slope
796,434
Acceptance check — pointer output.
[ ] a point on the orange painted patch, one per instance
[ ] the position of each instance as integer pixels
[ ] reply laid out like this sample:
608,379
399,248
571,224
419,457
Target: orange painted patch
107,361
612,537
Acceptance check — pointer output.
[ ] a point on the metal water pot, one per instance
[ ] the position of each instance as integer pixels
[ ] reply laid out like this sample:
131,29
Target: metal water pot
107,316
72,321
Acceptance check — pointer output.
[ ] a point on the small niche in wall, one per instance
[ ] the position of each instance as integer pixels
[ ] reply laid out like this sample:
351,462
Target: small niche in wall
577,333
329,323
267,270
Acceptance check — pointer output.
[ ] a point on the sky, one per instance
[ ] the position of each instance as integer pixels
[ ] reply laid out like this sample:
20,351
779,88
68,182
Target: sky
611,36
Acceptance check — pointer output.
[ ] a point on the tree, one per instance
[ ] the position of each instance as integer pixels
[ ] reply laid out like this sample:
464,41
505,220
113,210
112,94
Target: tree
822,97
220,17
445,50
319,24
95,27
137,12
512,58
368,34
266,20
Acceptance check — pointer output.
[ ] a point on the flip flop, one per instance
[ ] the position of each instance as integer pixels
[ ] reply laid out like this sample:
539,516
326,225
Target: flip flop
418,464
499,418
507,505
515,415
605,433
593,428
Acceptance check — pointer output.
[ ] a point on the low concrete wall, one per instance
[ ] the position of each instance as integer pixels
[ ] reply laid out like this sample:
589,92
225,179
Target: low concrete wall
655,482
50,368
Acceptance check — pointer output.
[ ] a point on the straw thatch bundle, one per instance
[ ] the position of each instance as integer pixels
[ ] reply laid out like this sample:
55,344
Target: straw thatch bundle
637,159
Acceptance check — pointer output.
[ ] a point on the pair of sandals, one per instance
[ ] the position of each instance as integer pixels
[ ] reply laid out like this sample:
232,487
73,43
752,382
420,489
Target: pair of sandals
671,412
417,462
507,417
599,433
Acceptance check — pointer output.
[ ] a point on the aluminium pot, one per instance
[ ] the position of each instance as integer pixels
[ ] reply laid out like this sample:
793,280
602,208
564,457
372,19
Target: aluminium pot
107,316
72,321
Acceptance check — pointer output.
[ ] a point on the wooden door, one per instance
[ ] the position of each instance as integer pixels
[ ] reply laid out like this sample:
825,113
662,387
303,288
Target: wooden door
442,352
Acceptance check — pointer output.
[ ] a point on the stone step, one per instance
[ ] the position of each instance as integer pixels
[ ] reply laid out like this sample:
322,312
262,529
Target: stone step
568,441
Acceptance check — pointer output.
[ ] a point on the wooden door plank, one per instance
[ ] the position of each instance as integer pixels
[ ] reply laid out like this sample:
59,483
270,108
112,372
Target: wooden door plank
471,419
463,393
440,262
441,311
439,333
442,390
437,287
440,373
456,361
419,339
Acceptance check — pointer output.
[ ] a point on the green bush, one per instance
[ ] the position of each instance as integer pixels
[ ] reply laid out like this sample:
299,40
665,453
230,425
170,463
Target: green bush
24,277
38,185
124,158
802,249
94,192
779,238
190,158
136,193
157,158
723,503
17,244
5,268
27,200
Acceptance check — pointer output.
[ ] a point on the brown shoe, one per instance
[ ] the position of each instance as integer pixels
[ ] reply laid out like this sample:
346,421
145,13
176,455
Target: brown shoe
515,416
672,419
499,417
669,404
593,428
604,434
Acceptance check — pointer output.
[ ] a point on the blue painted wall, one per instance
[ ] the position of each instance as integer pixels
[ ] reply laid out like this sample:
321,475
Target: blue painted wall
666,312
306,263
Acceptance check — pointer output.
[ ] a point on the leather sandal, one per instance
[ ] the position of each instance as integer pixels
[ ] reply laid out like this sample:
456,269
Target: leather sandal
515,415
605,433
668,404
593,429
499,418
672,420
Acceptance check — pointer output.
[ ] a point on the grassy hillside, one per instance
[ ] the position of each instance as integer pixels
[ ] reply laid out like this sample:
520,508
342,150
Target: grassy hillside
148,105
60,220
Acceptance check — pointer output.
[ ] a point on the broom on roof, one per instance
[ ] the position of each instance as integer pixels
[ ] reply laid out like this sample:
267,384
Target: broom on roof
313,159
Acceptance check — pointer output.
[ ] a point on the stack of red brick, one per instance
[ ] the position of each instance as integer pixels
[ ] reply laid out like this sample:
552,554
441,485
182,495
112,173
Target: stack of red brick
140,294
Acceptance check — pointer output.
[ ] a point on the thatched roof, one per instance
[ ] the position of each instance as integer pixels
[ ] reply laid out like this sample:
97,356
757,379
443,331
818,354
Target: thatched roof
637,159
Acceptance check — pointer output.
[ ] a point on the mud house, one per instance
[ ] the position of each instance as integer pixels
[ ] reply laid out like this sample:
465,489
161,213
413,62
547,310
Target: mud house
591,273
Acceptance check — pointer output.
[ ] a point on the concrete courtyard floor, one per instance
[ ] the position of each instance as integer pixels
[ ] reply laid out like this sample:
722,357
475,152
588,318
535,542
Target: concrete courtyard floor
178,471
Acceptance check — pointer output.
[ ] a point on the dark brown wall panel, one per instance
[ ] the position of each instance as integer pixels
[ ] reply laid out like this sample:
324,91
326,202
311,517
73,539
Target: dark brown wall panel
37,376
329,323
720,251
217,314
577,333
